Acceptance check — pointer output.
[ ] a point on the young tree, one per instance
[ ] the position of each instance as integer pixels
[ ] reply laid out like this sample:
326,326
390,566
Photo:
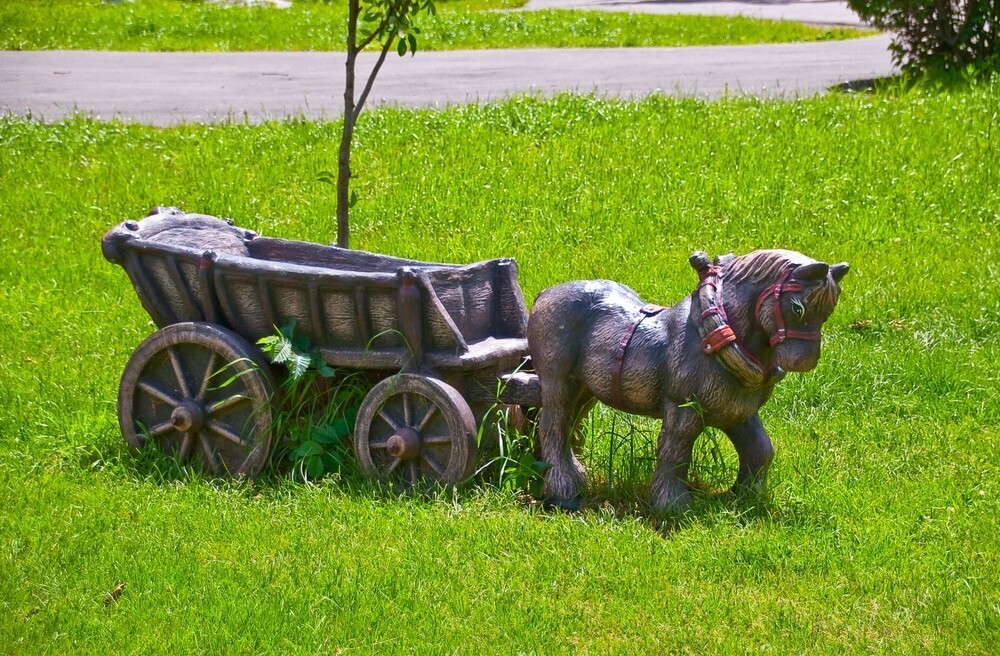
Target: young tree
386,23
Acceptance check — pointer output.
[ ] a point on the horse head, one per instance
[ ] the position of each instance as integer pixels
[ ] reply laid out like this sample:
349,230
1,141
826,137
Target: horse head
777,302
795,295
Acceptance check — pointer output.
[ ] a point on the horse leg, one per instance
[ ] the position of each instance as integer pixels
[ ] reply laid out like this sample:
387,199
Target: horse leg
756,452
565,480
681,427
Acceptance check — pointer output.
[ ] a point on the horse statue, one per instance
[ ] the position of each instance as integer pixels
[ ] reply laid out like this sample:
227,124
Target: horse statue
712,359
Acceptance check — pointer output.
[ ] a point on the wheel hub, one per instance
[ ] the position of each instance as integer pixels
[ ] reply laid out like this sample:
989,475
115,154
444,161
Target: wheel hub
404,444
188,416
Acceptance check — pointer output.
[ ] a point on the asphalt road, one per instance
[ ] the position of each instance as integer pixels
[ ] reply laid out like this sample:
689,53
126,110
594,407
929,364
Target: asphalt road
169,88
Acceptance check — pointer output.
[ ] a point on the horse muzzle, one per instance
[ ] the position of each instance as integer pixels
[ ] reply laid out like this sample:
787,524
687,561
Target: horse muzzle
797,355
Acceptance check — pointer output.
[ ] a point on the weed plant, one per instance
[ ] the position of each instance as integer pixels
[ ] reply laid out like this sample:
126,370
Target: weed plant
316,407
881,530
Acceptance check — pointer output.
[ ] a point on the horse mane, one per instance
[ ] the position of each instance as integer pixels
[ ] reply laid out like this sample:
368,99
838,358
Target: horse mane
762,268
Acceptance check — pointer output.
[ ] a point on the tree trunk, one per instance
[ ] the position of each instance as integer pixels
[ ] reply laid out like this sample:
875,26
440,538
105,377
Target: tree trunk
344,170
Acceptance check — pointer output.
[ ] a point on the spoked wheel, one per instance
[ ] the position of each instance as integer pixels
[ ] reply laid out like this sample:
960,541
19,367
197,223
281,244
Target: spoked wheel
199,391
412,427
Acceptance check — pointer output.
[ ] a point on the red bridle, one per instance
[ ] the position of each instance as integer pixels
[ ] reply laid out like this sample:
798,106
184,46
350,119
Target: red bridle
774,292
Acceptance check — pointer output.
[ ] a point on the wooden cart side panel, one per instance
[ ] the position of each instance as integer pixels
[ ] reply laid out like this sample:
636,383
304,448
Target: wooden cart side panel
482,300
439,329
324,305
166,283
511,318
467,295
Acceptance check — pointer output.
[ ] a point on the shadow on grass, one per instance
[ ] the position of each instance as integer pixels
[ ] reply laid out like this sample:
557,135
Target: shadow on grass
626,499
937,80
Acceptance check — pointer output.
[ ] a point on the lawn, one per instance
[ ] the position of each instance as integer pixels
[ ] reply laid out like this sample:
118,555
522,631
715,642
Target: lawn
460,24
881,532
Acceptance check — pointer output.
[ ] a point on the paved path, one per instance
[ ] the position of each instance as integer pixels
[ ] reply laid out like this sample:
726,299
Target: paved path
817,12
168,88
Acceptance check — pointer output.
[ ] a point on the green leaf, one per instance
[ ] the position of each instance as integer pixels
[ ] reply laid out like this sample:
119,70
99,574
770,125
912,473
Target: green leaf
309,448
297,364
354,199
327,177
401,47
281,351
413,44
325,434
288,328
314,466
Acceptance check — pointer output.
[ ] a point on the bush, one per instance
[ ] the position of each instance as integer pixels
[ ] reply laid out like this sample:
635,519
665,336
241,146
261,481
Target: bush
938,34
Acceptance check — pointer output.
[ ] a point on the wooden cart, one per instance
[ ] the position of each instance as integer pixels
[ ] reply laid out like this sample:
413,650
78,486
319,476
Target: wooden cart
439,336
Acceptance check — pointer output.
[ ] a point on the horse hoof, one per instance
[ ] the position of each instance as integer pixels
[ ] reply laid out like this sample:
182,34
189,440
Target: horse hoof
571,504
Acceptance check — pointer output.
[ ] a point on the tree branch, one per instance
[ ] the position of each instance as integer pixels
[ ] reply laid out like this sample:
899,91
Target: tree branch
395,9
371,37
371,79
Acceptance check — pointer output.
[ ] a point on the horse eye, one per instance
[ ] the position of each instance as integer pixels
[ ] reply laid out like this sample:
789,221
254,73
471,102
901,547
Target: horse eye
798,308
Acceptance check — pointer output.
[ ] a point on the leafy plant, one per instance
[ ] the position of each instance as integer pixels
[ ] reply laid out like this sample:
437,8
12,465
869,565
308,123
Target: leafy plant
514,467
945,34
317,407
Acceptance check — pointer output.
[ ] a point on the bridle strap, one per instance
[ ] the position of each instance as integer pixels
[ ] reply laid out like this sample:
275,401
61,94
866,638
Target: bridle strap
616,370
724,334
774,293
718,339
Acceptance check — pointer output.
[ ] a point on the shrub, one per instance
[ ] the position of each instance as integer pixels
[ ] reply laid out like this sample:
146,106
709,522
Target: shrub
938,34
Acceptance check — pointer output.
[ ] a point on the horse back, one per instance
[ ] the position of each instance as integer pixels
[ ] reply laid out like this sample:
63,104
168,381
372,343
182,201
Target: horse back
575,331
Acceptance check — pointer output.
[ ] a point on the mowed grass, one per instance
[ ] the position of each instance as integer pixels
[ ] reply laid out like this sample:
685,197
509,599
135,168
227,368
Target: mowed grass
881,533
460,24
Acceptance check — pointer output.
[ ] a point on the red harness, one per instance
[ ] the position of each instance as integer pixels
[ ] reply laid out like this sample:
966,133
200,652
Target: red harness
774,292
722,336
616,370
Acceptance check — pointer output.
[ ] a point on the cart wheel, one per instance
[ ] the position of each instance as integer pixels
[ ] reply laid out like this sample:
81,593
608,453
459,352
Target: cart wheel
416,427
199,391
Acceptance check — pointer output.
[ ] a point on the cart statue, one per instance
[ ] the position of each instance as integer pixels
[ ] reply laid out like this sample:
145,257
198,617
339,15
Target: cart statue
448,343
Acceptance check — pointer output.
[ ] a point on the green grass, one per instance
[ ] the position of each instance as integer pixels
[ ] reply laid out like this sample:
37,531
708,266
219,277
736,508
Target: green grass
180,25
882,531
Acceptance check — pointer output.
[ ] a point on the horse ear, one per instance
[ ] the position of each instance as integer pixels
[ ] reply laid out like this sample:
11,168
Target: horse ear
838,271
699,260
813,271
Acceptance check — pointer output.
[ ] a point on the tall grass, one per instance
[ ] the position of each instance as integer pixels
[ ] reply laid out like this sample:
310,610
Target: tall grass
462,24
880,534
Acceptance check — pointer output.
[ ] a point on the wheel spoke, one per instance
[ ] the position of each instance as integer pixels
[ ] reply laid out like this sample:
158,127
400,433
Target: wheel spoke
437,439
434,464
158,392
387,418
186,444
210,458
209,372
392,465
406,410
224,431
414,471
178,372
427,417
161,429
379,444
225,404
